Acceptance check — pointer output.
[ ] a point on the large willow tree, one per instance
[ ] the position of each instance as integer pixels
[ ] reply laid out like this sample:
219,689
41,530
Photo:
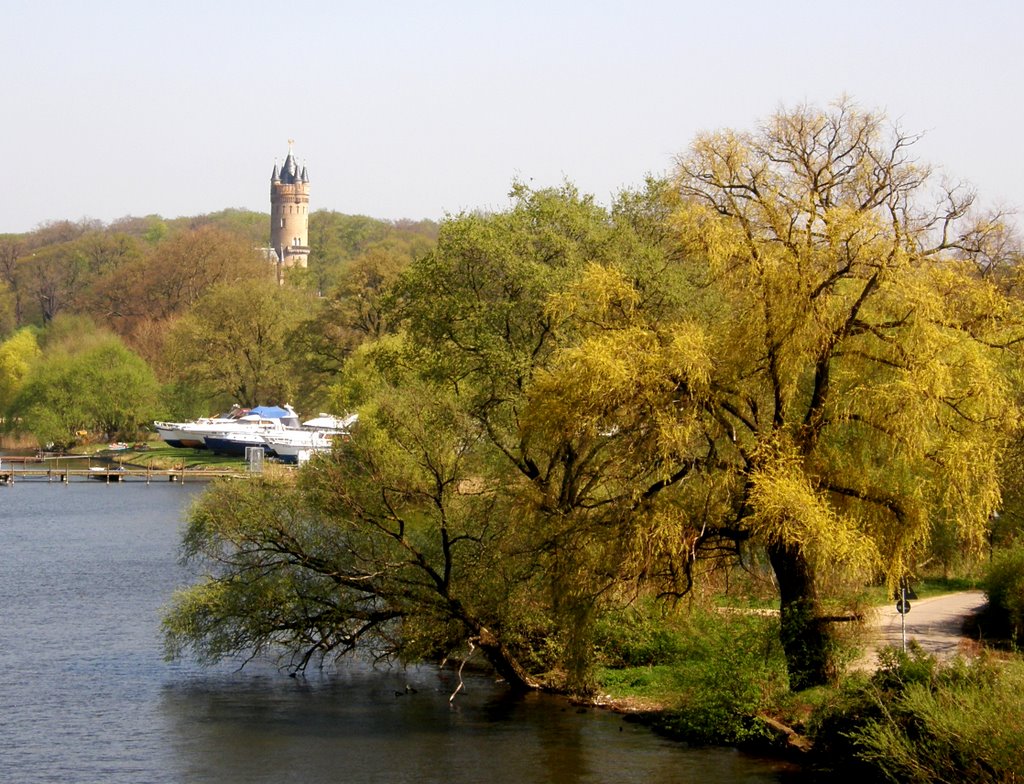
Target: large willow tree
836,382
796,347
447,523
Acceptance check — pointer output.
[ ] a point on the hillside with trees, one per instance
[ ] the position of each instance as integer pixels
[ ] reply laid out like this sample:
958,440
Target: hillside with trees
194,300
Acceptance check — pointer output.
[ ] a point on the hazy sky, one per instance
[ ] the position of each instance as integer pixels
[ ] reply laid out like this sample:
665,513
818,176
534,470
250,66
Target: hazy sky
415,110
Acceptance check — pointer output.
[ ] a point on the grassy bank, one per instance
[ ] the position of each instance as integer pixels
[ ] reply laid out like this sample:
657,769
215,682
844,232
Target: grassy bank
704,676
918,721
156,454
924,588
709,677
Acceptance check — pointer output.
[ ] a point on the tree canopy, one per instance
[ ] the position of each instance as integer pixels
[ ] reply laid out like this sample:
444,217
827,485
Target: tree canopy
859,356
389,548
17,355
85,380
232,344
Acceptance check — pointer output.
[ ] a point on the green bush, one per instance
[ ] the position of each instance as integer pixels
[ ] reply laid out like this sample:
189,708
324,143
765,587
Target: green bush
636,639
732,683
720,672
917,721
1004,584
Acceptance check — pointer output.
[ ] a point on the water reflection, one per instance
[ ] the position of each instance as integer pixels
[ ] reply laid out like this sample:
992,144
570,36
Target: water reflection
363,725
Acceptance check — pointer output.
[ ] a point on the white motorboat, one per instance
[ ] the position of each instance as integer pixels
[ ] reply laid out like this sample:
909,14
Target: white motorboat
245,421
330,423
185,435
317,435
297,446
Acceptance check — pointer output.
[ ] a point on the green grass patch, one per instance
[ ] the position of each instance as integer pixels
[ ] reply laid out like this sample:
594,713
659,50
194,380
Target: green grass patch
152,454
159,455
937,586
663,683
712,673
747,602
923,588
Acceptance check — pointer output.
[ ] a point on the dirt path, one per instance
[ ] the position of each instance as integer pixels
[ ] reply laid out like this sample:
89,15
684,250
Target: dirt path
936,624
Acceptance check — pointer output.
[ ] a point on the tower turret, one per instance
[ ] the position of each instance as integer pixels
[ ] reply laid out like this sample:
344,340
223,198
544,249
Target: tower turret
289,213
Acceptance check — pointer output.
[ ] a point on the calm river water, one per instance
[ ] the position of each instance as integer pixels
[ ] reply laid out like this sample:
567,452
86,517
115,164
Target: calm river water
85,695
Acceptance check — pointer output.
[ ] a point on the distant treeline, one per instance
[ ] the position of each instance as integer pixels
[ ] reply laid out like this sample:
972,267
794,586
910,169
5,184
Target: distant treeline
153,287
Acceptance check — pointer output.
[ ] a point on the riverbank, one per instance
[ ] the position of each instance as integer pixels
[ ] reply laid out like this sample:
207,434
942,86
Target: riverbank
725,678
949,714
156,454
145,454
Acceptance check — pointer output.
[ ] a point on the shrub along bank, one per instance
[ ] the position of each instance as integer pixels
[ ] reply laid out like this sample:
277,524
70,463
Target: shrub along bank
918,721
1004,584
713,678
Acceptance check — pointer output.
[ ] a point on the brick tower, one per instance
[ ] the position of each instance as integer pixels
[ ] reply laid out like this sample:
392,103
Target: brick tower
289,213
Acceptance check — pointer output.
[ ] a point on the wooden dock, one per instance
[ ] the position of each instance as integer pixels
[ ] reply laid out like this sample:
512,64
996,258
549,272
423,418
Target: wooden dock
10,475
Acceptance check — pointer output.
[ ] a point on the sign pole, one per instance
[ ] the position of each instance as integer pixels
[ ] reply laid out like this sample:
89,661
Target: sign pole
903,615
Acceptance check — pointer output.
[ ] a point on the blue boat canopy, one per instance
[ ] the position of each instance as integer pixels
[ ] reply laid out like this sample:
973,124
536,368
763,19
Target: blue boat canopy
271,412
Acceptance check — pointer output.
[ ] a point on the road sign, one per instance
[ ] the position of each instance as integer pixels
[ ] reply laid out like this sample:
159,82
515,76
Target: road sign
902,606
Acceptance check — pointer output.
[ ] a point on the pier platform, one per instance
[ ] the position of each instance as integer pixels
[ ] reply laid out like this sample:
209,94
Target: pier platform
10,474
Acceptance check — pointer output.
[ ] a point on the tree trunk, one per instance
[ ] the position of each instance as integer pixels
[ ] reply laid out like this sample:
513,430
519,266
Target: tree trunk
494,649
802,631
506,665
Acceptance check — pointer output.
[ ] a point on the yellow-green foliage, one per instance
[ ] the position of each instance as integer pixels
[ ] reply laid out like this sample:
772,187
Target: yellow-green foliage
1004,585
17,354
857,357
786,508
775,352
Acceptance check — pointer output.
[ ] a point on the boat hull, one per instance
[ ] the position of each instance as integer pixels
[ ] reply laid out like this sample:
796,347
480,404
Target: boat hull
233,447
178,438
299,446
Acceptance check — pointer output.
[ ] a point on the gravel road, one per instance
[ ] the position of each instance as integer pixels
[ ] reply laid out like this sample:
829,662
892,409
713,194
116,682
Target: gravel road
935,623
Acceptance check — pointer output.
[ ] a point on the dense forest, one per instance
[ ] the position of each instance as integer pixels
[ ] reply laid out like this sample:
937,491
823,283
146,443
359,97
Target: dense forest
106,327
796,355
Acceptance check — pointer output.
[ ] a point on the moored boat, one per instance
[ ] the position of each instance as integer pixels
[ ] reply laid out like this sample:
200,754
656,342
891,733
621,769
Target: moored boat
174,434
298,445
239,420
316,436
235,444
330,423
